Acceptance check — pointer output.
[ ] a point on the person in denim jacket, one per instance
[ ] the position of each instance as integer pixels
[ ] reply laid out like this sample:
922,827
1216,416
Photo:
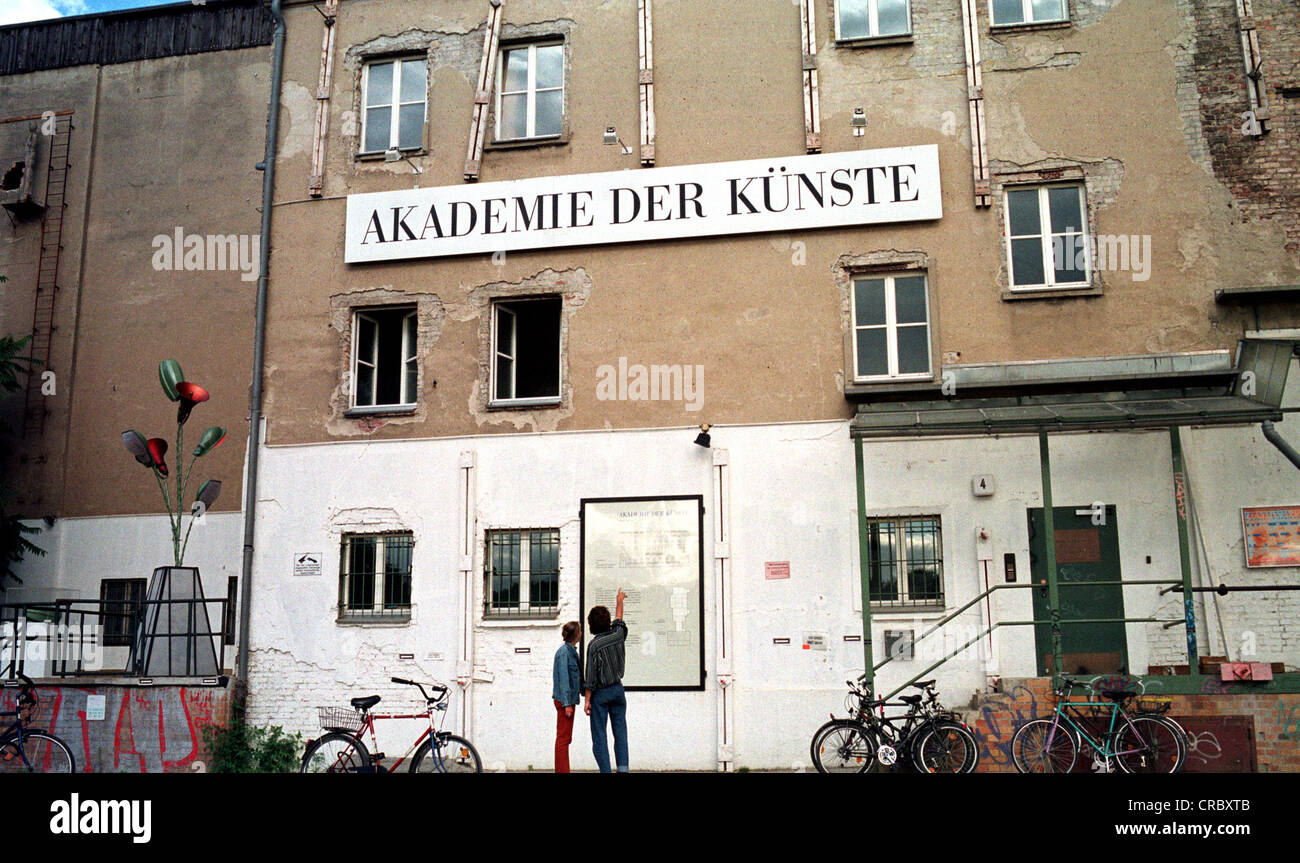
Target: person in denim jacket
566,688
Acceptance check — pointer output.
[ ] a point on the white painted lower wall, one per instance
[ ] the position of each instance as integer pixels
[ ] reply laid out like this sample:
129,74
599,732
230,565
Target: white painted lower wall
793,499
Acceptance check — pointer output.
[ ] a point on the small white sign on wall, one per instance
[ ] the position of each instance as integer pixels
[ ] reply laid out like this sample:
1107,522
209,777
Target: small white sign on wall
307,563
95,705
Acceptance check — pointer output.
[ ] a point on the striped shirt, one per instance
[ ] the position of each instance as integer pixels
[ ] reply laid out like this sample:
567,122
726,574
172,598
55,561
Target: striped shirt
605,658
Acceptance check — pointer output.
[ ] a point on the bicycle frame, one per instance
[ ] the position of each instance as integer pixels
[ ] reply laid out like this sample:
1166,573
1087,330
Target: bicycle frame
16,729
369,723
1083,726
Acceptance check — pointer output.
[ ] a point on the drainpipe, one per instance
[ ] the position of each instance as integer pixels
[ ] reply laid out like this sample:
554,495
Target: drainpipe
267,167
1278,441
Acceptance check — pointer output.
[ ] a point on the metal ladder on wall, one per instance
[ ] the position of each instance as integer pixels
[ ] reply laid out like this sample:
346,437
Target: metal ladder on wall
47,272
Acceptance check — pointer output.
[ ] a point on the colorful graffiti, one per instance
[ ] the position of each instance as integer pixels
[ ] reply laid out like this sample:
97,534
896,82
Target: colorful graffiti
154,730
1001,714
1288,720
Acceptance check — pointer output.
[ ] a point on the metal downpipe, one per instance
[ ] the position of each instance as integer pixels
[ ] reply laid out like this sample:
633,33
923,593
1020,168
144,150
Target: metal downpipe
267,167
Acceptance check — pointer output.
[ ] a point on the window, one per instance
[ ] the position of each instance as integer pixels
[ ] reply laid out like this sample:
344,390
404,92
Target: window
393,104
522,572
1028,11
864,19
385,367
526,351
375,576
530,92
891,327
905,561
1047,243
232,596
120,600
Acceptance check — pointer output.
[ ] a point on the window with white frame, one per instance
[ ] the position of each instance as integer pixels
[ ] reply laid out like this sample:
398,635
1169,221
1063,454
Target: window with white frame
891,327
525,351
866,19
530,92
1047,236
905,561
1006,12
393,105
522,572
375,576
385,366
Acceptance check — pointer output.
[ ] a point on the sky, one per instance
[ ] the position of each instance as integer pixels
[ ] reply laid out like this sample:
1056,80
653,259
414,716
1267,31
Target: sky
19,11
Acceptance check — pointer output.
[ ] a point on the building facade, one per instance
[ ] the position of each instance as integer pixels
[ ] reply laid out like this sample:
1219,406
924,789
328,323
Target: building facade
808,323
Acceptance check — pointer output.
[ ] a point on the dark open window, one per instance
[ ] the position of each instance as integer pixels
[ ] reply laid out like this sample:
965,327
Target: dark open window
120,600
526,350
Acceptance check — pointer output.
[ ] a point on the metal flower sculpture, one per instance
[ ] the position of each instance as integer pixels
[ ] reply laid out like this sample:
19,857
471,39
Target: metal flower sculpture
151,452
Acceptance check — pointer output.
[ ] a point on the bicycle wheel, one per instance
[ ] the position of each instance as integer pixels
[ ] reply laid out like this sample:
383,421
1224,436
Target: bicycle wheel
1147,745
1042,746
1180,734
336,752
843,746
454,755
39,752
946,748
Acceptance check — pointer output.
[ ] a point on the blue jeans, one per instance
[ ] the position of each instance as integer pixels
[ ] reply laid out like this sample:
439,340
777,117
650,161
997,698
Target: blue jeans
609,701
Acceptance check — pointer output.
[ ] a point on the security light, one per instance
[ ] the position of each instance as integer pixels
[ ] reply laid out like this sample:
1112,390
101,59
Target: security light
611,137
702,439
859,122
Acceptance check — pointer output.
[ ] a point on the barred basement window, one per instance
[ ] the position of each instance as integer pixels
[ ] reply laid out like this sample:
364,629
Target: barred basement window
522,572
867,19
905,561
120,600
1008,12
375,576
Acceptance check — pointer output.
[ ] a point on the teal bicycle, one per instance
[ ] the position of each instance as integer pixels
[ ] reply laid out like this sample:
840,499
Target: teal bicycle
1134,742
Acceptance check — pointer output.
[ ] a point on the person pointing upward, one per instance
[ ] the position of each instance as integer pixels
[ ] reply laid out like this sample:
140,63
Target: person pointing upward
603,684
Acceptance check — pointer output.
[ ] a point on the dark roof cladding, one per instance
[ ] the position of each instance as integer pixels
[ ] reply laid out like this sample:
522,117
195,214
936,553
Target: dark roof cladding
135,34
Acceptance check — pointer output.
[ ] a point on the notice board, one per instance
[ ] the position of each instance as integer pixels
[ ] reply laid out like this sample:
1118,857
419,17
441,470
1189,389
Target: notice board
1272,535
652,547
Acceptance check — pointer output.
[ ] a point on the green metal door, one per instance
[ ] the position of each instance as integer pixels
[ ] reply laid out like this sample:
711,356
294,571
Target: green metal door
1087,551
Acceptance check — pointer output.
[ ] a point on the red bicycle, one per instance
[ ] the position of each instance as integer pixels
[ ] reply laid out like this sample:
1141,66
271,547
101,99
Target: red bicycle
342,749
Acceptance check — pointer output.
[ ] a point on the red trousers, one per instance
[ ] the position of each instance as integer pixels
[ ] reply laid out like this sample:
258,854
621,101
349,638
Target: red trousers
563,736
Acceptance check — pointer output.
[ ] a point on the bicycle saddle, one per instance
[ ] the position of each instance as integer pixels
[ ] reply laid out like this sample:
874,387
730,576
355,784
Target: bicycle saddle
1118,695
911,699
365,703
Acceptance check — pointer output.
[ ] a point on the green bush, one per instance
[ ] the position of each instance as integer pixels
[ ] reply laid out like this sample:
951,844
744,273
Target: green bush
243,748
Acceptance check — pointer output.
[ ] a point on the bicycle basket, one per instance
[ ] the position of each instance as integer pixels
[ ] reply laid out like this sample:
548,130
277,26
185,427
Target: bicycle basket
1152,705
339,718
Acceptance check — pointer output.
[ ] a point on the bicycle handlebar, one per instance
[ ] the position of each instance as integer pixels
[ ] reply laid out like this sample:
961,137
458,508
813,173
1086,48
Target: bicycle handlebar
438,688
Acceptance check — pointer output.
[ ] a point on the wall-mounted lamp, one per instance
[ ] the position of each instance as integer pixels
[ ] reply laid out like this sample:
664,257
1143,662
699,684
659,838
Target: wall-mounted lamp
392,154
858,123
702,439
611,138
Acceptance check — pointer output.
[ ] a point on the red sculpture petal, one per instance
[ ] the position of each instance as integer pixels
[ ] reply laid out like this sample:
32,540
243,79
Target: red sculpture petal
157,450
192,392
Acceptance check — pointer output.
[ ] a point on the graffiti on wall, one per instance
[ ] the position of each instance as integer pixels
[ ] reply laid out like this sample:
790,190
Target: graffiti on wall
155,730
1003,713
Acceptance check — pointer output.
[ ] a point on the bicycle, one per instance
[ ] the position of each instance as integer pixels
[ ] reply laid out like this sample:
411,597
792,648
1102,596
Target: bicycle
24,749
928,738
1137,742
343,749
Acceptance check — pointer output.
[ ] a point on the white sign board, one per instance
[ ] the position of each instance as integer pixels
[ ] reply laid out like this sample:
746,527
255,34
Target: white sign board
95,707
308,563
793,193
651,549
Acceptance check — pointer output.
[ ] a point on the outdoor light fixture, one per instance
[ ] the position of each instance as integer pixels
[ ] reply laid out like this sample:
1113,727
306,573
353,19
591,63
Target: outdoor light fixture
191,394
392,154
208,493
157,451
702,439
209,439
611,138
137,446
859,122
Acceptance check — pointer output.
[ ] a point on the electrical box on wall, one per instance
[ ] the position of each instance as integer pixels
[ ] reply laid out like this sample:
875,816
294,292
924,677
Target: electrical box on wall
982,485
983,544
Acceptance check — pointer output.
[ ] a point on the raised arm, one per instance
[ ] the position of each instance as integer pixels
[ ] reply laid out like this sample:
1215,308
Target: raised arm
618,604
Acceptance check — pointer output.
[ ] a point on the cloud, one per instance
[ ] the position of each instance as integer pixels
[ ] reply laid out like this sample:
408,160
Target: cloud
21,11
